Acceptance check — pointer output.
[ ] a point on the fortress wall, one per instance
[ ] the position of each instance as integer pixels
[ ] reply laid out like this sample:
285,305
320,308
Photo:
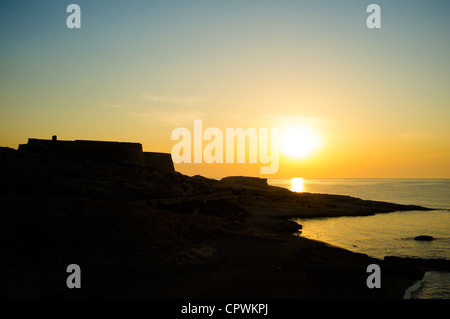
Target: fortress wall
161,161
7,153
116,152
113,152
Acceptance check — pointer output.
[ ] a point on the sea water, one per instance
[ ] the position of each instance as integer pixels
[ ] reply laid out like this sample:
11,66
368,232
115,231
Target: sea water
389,234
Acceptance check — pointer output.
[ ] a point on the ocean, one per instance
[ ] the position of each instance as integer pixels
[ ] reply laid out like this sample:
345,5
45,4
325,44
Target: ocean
389,234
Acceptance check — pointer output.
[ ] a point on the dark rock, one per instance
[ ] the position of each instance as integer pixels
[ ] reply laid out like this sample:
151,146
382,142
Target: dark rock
424,238
245,181
7,152
291,226
161,161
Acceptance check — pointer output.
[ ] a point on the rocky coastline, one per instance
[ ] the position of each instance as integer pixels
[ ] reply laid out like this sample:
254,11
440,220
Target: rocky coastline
142,232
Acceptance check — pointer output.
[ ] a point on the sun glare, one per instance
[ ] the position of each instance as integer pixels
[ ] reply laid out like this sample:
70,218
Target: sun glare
299,141
297,185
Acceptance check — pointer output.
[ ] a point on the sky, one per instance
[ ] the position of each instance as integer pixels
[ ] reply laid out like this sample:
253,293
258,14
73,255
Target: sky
376,99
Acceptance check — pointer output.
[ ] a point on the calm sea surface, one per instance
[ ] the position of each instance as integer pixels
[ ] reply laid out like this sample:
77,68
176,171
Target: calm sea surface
389,234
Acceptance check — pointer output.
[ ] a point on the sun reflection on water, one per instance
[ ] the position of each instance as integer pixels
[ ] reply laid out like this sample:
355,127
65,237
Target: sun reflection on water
297,185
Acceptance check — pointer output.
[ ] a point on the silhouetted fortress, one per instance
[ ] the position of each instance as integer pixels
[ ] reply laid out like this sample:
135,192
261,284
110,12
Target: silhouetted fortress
112,152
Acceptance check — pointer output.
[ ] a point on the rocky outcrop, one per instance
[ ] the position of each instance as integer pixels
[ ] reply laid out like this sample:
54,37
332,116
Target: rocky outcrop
424,238
145,231
245,181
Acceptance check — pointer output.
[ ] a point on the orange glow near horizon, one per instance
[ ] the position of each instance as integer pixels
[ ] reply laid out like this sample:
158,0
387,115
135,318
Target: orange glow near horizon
349,102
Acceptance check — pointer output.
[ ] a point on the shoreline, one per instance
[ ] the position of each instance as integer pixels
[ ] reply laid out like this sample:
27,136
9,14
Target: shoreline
138,232
259,263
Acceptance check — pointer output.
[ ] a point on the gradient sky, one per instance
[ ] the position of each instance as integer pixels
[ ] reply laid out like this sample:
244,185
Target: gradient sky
136,70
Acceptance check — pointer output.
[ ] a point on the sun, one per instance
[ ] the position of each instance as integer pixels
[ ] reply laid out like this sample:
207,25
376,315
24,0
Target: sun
299,141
